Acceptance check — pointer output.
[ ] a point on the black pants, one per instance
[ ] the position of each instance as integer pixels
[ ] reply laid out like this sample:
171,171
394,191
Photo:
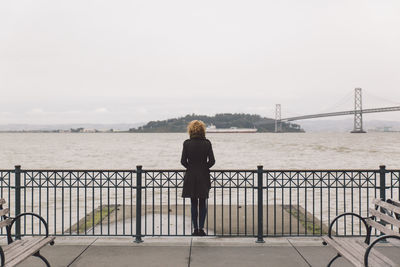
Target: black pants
198,208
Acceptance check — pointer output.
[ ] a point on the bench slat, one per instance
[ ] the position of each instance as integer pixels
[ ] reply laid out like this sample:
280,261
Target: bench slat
26,243
382,228
4,212
342,251
354,251
11,246
34,248
5,222
385,217
351,244
386,205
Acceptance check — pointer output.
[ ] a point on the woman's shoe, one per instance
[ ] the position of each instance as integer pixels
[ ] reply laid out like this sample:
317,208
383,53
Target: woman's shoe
202,233
195,232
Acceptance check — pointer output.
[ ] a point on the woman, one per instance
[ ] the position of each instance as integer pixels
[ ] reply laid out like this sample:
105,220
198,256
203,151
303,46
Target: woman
198,158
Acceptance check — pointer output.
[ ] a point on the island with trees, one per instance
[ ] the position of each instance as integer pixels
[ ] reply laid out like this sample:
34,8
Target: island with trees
222,120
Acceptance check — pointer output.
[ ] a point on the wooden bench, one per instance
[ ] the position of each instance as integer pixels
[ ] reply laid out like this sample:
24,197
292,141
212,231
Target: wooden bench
18,250
385,218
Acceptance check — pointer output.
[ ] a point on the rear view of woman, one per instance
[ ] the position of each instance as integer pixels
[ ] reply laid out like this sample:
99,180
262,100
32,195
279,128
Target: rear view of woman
198,158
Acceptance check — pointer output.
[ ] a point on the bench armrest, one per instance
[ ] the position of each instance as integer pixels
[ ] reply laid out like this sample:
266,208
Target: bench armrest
3,259
351,214
373,244
25,214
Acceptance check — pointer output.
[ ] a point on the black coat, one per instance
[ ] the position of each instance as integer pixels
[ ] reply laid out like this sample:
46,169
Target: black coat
198,158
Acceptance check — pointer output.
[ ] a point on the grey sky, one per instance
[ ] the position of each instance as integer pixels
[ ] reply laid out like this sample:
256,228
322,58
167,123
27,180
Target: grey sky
133,61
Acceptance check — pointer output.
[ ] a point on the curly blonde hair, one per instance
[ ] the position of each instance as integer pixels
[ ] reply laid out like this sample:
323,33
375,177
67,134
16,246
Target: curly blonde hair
196,128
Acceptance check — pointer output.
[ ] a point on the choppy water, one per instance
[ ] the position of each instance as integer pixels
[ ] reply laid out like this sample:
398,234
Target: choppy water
232,151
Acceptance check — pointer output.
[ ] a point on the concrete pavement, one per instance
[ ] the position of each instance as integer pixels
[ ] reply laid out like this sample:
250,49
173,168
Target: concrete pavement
192,252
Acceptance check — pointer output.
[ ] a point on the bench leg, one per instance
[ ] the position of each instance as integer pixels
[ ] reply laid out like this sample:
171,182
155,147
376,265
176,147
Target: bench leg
332,260
37,254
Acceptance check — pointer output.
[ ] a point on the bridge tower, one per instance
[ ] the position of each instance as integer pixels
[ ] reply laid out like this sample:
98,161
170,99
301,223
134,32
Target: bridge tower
358,121
278,117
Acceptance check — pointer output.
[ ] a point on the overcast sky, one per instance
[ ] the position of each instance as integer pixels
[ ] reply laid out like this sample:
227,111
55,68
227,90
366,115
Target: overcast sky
133,61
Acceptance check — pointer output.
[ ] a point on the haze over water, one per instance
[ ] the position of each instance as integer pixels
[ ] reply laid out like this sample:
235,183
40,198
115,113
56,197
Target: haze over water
232,151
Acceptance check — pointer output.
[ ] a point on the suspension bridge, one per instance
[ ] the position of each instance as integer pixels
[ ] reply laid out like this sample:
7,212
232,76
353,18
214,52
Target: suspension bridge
358,112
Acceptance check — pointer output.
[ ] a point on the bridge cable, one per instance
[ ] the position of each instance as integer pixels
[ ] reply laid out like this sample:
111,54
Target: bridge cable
382,98
340,102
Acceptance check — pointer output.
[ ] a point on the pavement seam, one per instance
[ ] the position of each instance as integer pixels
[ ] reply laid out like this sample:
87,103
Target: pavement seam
299,253
80,254
190,251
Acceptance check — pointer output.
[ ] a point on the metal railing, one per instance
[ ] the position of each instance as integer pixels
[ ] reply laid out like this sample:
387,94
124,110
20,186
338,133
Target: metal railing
139,202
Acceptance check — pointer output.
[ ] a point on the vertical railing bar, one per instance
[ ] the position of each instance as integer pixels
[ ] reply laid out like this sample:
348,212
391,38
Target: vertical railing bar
55,202
230,203
237,203
336,196
245,205
62,201
93,178
260,171
24,186
40,202
131,202
282,204
101,203
124,181
298,202
290,203
18,200
48,196
208,209
329,198
253,203
138,238
215,204
320,204
267,175
359,201
78,179
116,203
32,204
70,202
305,203
313,203
222,206
176,203
153,204
352,202
344,203
85,194
382,188
274,187
161,189
169,208
108,202
145,201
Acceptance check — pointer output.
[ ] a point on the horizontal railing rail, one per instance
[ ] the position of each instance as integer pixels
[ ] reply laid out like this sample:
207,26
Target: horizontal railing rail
147,202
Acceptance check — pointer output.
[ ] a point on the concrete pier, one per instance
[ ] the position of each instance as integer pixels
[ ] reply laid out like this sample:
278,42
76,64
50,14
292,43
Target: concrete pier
193,252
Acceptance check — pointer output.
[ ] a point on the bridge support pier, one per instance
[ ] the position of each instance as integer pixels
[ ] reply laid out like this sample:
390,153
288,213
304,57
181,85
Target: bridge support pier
358,120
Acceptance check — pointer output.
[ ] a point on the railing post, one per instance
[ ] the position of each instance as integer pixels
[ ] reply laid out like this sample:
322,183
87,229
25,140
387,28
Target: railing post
382,182
138,238
382,192
260,204
17,200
